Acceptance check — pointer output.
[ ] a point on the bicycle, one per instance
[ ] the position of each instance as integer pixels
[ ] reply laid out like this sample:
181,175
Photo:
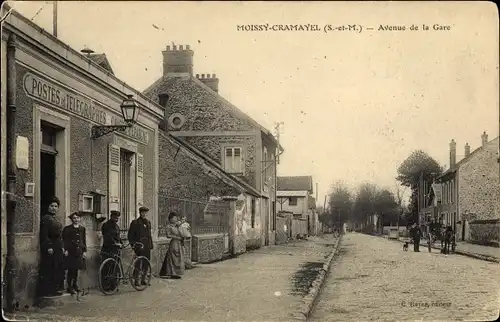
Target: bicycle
111,272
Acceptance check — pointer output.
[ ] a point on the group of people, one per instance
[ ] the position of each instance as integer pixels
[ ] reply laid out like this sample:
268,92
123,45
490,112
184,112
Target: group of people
64,249
446,236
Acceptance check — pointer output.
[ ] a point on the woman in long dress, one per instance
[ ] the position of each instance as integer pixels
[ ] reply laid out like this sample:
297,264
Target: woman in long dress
173,264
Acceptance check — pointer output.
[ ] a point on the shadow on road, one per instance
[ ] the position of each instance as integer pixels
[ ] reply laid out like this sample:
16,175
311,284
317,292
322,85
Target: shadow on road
302,279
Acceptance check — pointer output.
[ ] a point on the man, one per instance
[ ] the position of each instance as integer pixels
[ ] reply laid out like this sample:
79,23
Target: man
416,234
140,231
111,241
75,246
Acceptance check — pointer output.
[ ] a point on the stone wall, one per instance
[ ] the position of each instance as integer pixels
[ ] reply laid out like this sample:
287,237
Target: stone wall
213,145
253,234
485,232
239,233
479,189
207,248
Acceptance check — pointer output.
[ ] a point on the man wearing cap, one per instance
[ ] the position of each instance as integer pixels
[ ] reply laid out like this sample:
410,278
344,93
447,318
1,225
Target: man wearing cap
75,249
140,231
111,241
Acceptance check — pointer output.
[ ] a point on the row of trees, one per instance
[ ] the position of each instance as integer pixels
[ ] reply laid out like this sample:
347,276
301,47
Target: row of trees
359,205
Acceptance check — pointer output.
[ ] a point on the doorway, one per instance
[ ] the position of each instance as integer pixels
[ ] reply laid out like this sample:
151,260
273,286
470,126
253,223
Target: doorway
48,155
126,187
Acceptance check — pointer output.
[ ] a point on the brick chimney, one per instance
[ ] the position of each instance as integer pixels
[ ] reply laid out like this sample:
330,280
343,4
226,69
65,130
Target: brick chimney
467,150
484,138
453,153
212,82
178,60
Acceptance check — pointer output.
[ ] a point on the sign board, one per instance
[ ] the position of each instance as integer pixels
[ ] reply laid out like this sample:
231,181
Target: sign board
22,153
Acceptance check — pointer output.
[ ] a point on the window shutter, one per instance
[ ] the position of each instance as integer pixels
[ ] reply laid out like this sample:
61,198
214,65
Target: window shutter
113,177
238,160
228,161
139,179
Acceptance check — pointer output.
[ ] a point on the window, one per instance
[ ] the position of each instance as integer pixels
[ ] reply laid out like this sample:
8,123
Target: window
233,160
48,139
292,201
252,219
266,167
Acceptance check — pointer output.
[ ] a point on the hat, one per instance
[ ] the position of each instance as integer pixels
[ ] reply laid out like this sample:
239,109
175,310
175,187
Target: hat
143,209
115,213
74,214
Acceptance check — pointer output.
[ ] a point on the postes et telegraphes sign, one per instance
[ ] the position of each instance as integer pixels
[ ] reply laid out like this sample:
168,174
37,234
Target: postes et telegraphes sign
77,104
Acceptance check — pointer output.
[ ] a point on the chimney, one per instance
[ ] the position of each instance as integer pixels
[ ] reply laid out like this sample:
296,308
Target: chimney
453,153
163,100
178,60
211,81
484,138
467,150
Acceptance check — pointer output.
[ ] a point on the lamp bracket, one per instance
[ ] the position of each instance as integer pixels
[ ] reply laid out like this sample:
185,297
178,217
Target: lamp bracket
101,130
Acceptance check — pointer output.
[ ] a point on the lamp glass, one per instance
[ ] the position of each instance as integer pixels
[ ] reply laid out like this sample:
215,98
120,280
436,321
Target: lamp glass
130,109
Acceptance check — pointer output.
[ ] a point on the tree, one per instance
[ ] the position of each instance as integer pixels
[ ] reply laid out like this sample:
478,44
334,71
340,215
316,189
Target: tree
364,204
400,191
418,164
385,206
339,204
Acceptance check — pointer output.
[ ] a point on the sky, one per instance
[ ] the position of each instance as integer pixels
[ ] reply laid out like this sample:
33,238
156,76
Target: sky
354,105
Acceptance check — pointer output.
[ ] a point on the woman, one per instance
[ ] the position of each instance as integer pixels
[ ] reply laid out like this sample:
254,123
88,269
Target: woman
51,248
75,246
173,265
185,231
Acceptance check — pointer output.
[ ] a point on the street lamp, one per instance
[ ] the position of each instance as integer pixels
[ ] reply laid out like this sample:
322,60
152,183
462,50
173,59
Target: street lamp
130,112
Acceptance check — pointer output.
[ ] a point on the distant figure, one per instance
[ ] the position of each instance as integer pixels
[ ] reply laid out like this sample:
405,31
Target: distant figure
447,240
416,233
75,246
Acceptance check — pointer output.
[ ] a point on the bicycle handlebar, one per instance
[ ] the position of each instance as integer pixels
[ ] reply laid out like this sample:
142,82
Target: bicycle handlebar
123,246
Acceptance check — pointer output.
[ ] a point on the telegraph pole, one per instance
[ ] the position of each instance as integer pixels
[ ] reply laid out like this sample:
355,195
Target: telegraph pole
277,129
54,18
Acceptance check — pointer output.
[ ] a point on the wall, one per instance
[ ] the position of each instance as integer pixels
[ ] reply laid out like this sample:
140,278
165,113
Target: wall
300,208
213,147
253,234
208,248
485,232
299,227
479,189
239,232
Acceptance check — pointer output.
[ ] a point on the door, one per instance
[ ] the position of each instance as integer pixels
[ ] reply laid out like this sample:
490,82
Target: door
125,165
48,155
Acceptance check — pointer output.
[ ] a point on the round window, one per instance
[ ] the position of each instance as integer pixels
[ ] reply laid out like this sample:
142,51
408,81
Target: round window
177,121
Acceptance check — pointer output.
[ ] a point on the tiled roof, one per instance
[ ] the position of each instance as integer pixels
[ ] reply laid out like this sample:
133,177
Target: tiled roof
297,183
102,61
183,85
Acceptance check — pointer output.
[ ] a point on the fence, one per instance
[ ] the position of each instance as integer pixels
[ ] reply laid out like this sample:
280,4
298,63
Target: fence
205,217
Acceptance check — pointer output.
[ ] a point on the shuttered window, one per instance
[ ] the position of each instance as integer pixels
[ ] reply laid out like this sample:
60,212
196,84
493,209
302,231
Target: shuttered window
233,160
139,179
114,178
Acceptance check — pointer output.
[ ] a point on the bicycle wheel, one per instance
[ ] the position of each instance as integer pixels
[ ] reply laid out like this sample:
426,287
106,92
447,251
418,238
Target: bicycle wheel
109,276
140,275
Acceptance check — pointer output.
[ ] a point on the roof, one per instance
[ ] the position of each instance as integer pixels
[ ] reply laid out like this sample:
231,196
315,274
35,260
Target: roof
292,193
196,153
464,160
216,207
178,82
102,60
297,183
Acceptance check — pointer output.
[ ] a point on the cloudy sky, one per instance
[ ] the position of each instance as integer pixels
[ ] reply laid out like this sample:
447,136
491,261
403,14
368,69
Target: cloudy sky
354,105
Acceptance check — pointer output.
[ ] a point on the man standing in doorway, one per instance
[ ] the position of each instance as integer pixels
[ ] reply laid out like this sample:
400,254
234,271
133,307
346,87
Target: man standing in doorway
111,237
140,232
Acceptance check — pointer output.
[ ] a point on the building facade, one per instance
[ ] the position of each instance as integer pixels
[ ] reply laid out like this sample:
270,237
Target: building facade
466,196
60,95
198,115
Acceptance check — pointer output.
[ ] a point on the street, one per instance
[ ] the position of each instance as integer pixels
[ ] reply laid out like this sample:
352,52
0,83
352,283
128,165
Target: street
373,279
263,285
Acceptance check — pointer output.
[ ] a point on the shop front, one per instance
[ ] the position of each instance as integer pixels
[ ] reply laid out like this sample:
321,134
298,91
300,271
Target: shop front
65,107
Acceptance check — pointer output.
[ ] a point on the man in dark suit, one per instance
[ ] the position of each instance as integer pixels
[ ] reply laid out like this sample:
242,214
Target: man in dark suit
112,242
416,234
75,249
140,231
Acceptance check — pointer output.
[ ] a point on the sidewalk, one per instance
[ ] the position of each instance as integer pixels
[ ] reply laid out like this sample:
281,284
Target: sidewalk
264,285
488,253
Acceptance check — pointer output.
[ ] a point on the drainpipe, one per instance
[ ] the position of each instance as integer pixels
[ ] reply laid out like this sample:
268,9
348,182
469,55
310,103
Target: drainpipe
11,172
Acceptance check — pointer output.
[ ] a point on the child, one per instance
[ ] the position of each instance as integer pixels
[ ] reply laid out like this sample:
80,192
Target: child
75,249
